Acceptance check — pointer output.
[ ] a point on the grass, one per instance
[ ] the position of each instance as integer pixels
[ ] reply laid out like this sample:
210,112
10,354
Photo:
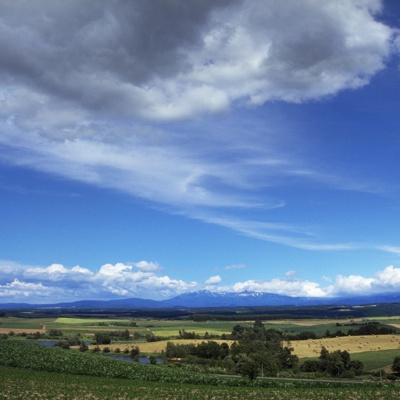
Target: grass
171,328
24,323
21,384
26,385
375,360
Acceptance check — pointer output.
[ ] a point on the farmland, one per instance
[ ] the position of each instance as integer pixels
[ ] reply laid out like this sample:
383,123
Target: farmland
168,329
31,371
26,384
56,373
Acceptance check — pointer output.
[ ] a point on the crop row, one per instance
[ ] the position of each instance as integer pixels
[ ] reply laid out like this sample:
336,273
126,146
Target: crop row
24,384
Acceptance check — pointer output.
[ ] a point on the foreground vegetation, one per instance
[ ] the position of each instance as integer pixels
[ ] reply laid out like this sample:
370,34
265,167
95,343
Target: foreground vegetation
24,384
32,356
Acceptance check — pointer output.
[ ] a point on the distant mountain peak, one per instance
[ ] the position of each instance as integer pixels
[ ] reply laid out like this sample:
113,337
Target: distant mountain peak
207,298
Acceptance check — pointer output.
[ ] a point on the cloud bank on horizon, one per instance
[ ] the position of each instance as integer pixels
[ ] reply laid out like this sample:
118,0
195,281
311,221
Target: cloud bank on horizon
57,283
145,98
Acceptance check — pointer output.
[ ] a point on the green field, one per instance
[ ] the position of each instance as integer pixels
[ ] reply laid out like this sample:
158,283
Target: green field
30,371
23,384
374,360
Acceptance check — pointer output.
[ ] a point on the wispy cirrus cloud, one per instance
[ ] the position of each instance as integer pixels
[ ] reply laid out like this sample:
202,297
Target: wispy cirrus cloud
235,266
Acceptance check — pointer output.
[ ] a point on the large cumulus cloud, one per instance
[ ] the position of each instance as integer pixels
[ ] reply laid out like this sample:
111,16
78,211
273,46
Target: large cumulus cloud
168,60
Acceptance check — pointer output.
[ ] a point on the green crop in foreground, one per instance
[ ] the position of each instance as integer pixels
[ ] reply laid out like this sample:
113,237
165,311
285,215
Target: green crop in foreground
72,372
25,384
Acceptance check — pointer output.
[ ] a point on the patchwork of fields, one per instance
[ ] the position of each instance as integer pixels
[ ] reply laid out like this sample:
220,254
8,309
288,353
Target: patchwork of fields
387,346
112,379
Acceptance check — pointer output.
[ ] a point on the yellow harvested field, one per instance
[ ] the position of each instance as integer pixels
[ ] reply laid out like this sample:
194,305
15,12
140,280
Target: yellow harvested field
310,322
154,347
353,344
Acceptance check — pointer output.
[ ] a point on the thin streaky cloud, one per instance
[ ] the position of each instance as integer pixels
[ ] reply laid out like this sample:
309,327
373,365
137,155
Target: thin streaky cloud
267,232
390,249
235,266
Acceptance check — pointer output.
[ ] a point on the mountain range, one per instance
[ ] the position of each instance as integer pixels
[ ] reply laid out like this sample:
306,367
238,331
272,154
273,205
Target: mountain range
206,299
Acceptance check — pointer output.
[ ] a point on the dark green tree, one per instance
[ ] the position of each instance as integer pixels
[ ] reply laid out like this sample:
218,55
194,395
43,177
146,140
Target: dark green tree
356,366
247,366
102,338
396,364
335,364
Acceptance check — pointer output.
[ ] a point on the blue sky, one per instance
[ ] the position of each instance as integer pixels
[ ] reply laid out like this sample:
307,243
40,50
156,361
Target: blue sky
149,149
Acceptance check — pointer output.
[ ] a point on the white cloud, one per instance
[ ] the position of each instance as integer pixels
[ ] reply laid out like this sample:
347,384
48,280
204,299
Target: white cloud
213,280
387,280
354,284
147,266
281,286
19,290
114,270
390,249
56,272
285,234
81,270
389,277
76,283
